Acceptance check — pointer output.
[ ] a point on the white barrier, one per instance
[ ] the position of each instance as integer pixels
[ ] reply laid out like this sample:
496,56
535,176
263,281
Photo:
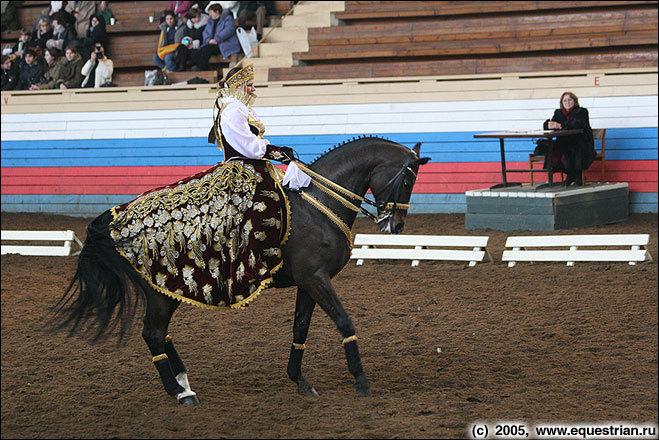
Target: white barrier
68,237
415,248
637,252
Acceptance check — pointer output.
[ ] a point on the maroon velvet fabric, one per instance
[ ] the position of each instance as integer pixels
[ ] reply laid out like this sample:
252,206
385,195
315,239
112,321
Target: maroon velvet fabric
212,239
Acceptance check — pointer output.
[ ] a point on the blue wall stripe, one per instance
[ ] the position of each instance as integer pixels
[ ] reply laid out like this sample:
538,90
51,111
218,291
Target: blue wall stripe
621,144
93,205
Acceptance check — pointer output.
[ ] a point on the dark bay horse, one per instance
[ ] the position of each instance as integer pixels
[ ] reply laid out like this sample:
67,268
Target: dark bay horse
106,290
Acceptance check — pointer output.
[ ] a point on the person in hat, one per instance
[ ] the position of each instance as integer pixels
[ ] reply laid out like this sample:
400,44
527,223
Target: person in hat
214,239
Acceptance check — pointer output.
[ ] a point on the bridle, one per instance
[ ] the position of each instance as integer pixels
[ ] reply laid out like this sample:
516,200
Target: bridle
385,208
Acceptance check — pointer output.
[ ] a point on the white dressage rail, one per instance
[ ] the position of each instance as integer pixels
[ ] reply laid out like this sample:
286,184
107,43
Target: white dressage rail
519,245
68,237
415,248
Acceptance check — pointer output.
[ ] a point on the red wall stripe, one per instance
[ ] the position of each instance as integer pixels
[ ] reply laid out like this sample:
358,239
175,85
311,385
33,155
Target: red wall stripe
434,178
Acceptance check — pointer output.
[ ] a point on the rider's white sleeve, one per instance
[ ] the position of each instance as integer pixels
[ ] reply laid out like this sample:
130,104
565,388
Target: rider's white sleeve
235,129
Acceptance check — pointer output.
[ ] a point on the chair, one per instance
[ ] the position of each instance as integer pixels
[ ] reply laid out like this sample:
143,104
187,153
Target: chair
598,133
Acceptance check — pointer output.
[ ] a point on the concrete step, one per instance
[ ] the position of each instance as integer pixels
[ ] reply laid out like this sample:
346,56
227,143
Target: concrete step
283,48
309,8
284,60
281,34
319,19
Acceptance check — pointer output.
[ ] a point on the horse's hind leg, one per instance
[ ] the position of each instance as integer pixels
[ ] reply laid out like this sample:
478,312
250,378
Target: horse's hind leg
304,306
159,311
320,289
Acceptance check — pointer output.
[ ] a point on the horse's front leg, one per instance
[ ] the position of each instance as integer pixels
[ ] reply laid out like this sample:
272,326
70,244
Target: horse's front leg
304,306
159,311
321,291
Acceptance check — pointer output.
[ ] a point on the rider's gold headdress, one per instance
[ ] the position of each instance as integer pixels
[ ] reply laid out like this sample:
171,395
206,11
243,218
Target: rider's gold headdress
239,78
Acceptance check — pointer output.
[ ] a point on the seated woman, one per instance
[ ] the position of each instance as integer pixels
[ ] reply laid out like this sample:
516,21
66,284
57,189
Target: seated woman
574,153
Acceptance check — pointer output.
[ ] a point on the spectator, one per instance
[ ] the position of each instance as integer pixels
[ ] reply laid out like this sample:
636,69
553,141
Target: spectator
41,35
96,33
9,18
64,9
105,12
165,56
180,8
194,31
63,33
83,11
226,5
29,70
22,45
219,38
98,69
9,73
72,74
55,64
255,10
573,153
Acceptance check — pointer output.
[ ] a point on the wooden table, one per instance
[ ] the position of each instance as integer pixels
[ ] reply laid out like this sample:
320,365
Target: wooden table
539,134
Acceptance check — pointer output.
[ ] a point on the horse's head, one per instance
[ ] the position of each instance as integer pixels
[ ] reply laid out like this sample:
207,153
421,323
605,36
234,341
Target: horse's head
391,184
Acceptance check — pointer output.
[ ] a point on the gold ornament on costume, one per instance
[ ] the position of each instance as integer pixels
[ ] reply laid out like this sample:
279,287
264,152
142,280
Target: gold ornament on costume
239,78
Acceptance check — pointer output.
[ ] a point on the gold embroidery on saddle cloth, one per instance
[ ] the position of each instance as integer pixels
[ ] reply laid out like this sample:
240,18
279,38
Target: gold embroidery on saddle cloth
181,226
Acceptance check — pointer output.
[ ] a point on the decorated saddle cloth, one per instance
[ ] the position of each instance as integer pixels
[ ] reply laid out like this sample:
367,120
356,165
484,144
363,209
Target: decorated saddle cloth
212,239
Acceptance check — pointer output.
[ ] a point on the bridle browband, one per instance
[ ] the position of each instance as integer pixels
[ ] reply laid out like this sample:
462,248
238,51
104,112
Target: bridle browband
385,208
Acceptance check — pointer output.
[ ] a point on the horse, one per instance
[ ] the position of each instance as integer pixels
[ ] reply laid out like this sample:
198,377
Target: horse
106,291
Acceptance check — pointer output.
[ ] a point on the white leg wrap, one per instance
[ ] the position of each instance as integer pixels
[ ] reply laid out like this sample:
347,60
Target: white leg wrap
182,379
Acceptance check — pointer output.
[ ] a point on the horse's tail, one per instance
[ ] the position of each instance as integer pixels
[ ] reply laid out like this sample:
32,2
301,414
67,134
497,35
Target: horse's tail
104,283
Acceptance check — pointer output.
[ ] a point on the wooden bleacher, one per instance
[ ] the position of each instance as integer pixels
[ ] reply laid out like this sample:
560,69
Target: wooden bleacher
385,39
132,40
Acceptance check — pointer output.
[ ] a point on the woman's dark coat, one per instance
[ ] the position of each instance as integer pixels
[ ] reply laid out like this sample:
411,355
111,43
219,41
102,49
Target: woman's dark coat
95,35
576,152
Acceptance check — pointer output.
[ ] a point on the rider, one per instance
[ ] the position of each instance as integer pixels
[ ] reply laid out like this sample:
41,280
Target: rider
214,239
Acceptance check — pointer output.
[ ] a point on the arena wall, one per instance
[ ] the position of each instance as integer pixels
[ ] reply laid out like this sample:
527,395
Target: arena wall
79,152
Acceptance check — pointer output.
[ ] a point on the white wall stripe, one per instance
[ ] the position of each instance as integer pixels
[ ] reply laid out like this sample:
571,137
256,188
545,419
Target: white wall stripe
605,112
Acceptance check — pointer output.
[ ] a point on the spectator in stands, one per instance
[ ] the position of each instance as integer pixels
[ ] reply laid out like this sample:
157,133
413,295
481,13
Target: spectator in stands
573,153
55,64
232,6
98,69
83,11
72,74
96,33
165,57
64,9
105,12
63,34
41,35
219,38
9,73
9,17
194,31
180,8
255,10
29,70
22,45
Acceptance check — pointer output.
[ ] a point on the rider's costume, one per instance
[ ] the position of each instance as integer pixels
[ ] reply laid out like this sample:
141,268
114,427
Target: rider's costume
213,239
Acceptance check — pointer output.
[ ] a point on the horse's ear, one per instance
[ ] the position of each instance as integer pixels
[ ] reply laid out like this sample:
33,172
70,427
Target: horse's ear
417,150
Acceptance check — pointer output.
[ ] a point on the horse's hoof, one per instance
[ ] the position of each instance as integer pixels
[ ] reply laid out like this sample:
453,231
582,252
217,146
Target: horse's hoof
362,387
188,400
307,390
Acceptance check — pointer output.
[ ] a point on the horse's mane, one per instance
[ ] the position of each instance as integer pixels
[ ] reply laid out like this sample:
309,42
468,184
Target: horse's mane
349,141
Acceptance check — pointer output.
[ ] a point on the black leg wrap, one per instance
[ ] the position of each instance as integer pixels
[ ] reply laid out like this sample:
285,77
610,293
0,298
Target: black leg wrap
352,356
294,369
174,359
167,376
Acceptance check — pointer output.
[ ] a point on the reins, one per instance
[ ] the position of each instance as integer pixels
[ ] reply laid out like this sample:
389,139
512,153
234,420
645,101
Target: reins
333,189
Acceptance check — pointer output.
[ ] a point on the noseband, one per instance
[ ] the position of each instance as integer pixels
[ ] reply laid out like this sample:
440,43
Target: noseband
386,208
